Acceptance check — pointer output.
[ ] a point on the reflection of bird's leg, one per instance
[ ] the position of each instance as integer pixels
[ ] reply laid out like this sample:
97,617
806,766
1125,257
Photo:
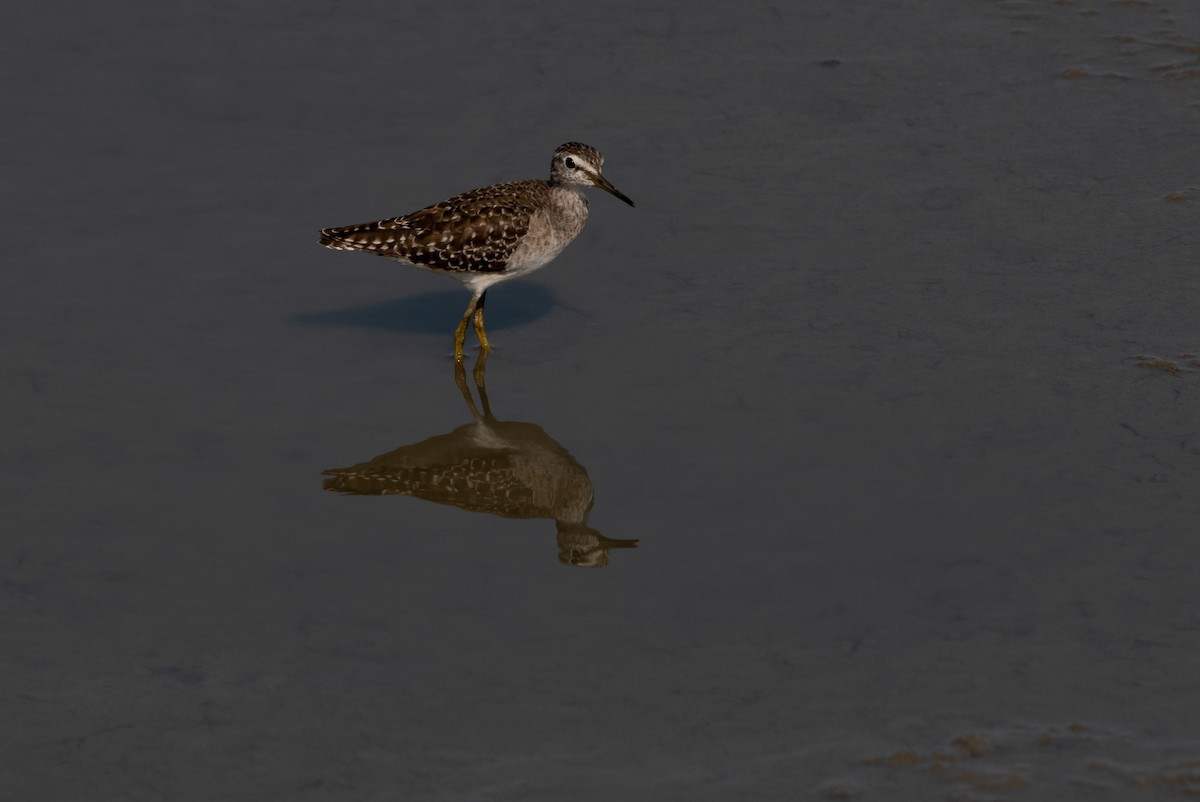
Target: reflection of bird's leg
460,378
460,334
478,373
479,332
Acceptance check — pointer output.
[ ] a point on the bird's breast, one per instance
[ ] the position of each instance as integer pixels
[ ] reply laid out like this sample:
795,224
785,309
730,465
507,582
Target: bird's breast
551,228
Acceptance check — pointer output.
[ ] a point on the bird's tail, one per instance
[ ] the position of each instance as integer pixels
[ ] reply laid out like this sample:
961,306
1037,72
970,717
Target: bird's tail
377,237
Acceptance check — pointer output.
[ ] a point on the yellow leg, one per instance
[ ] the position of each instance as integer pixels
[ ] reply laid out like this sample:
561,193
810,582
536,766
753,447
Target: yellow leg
479,332
478,373
460,334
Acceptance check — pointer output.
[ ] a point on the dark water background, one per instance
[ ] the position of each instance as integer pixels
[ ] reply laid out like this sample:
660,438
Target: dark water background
891,373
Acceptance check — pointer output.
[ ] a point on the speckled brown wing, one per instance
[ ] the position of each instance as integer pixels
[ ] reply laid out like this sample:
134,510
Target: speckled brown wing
474,232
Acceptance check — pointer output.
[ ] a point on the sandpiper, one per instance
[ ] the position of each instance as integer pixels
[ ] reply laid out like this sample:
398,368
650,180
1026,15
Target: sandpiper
488,235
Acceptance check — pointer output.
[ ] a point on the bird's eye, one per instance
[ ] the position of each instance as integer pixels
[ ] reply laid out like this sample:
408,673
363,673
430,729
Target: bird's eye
570,163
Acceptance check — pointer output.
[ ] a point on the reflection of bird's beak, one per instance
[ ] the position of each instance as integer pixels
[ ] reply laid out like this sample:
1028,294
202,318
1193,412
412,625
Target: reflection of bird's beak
602,182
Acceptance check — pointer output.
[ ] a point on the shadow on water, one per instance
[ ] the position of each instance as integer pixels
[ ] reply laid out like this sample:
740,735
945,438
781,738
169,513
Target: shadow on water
438,312
506,468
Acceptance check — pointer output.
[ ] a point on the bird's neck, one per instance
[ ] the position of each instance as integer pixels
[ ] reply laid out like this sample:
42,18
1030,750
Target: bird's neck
569,202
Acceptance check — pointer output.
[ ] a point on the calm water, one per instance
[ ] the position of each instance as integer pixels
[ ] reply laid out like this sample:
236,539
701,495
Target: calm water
891,374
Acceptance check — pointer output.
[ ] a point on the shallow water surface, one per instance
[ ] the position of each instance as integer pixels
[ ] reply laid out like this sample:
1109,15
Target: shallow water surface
858,461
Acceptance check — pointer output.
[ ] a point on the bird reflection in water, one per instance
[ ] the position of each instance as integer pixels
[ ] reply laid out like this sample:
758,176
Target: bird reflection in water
505,468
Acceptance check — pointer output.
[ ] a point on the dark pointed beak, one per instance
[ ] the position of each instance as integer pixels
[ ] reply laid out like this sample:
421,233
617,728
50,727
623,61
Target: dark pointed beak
602,182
